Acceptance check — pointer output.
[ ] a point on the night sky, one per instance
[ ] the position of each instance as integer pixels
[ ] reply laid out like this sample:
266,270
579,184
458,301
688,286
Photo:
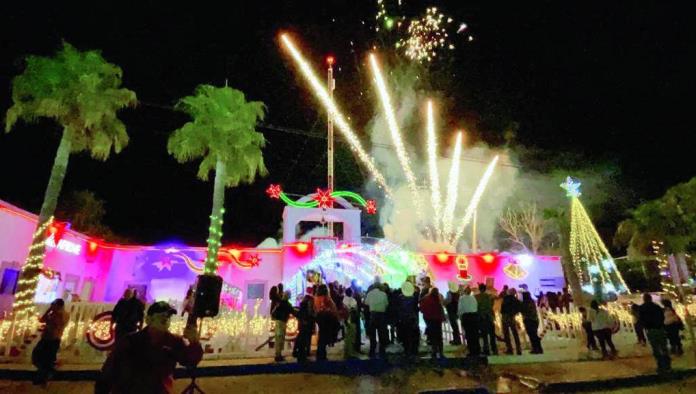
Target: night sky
612,82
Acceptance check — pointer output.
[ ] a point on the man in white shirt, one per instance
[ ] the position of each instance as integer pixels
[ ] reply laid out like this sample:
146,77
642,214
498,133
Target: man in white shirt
377,301
468,310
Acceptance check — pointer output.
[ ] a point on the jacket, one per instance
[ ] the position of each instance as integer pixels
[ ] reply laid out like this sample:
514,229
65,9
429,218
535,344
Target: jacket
282,311
144,362
510,306
651,316
485,304
432,309
529,311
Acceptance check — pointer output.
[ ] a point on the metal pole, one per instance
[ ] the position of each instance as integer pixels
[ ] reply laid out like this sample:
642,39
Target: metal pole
331,84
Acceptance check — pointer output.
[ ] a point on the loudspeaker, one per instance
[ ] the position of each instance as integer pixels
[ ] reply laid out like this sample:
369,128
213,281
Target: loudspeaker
207,299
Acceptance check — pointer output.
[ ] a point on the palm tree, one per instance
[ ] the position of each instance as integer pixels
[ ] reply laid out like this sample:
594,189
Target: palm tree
82,92
223,133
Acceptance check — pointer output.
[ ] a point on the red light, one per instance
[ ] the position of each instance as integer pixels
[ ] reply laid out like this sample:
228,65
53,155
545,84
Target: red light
371,207
92,246
488,258
442,257
324,198
274,191
302,247
330,60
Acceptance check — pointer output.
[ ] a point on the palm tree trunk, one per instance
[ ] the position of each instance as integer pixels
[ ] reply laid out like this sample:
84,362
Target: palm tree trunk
26,286
215,234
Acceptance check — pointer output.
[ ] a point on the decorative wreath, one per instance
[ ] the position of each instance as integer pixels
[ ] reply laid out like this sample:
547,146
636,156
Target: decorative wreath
100,333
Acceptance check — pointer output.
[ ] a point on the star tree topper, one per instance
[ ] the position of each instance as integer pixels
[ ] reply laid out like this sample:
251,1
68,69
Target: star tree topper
571,187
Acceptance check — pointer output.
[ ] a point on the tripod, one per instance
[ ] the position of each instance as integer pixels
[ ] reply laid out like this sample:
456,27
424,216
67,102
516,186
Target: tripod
193,388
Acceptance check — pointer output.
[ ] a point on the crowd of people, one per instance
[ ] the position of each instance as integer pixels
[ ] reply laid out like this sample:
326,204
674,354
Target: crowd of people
145,352
391,316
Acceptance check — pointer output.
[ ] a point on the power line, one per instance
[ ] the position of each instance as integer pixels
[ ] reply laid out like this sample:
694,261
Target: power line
322,136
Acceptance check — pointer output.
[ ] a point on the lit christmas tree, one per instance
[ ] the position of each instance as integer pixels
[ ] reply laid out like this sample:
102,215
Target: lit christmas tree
592,262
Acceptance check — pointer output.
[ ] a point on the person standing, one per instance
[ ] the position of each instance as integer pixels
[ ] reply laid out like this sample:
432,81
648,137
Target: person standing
128,314
327,320
305,319
358,296
531,322
352,319
637,326
587,326
44,354
601,328
280,316
509,309
451,305
566,299
377,301
673,324
468,310
486,318
408,319
434,316
652,317
552,299
144,362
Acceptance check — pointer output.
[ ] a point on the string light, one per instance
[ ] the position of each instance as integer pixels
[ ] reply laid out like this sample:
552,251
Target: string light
665,274
23,306
214,242
591,260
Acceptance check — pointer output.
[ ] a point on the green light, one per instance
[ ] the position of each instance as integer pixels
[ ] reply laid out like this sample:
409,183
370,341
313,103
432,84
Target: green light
388,23
355,196
287,200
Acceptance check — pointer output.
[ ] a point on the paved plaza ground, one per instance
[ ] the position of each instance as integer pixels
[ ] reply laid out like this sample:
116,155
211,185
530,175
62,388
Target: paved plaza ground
504,374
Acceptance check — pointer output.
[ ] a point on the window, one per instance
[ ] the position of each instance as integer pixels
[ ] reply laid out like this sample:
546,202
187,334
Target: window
8,285
256,291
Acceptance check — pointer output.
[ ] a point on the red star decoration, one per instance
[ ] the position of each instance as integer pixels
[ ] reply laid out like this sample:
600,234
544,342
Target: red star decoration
251,261
323,197
254,260
371,207
274,191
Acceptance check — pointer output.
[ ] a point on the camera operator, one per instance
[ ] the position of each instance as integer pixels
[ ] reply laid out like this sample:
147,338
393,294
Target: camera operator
144,362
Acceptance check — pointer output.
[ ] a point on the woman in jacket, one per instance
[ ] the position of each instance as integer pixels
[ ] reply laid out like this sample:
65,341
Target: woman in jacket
601,328
327,319
673,325
434,316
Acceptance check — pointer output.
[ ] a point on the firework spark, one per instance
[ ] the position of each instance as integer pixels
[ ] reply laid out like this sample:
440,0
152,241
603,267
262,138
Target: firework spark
436,197
452,186
395,133
426,36
321,93
473,204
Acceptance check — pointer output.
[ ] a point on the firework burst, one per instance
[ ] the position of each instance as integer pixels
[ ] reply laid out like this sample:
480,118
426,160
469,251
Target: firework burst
426,36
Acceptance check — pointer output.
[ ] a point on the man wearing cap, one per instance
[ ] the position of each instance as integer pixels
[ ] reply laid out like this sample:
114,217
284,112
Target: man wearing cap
144,362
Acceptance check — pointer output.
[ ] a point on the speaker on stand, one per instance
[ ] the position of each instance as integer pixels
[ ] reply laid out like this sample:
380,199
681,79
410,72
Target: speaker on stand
206,303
